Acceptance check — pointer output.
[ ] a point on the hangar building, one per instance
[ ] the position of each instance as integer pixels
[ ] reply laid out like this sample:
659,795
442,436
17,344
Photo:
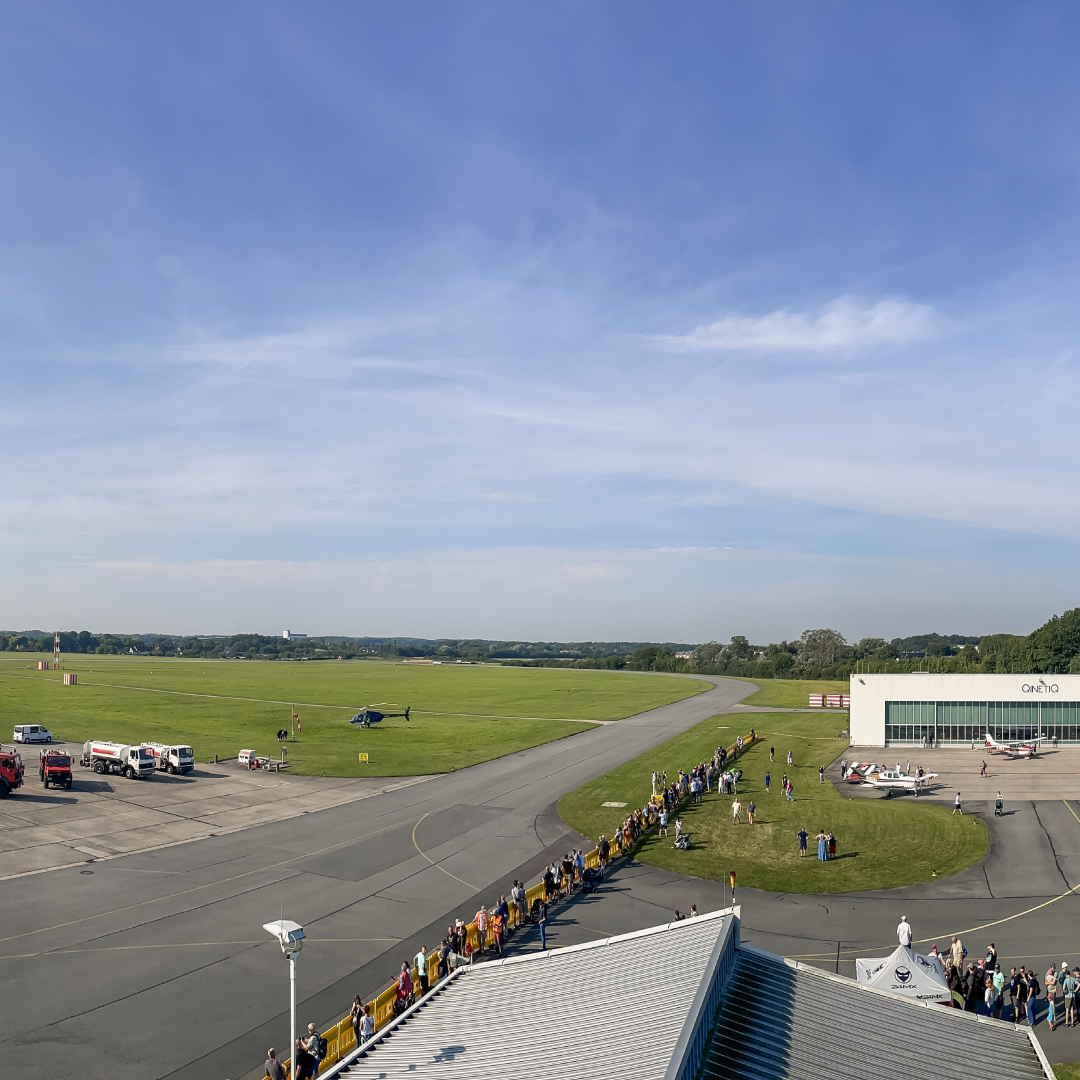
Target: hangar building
951,710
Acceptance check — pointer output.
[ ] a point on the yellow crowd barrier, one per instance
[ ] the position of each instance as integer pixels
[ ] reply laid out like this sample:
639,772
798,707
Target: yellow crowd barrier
341,1038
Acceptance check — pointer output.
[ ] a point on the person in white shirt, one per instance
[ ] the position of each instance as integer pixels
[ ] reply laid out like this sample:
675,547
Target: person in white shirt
903,932
420,962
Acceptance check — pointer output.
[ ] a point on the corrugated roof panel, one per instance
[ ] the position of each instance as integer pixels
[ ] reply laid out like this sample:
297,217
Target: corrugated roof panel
614,1008
778,1020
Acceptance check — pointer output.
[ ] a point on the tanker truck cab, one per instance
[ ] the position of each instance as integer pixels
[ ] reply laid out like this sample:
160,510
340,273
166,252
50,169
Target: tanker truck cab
11,770
174,759
134,762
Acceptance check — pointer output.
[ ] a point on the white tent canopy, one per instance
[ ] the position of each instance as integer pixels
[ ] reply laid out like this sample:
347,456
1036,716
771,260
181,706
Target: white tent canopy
906,974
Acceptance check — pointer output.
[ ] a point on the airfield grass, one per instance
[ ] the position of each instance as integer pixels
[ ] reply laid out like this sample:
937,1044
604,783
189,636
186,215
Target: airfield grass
1067,1070
794,693
461,714
881,843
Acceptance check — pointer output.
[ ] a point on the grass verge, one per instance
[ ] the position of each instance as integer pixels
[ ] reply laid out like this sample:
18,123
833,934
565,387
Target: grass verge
882,843
1067,1070
461,714
794,693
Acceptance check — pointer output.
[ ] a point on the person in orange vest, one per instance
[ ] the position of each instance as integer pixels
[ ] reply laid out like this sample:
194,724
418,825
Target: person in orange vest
481,929
497,931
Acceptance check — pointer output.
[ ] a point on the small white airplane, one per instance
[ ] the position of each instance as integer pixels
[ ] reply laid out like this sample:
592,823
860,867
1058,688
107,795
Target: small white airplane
1025,749
892,779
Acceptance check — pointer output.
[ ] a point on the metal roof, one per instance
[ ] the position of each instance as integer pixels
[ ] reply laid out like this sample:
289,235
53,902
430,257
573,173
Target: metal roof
784,1019
676,1002
611,1008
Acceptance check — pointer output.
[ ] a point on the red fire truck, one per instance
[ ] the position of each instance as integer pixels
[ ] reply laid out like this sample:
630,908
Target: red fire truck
11,770
54,767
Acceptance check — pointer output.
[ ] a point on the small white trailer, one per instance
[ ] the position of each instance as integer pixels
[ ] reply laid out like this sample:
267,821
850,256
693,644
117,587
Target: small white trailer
134,762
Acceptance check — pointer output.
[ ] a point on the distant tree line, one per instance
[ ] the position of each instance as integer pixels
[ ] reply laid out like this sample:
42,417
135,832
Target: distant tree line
264,647
817,654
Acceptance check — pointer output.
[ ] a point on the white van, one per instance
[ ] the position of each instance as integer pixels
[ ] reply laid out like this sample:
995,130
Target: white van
32,733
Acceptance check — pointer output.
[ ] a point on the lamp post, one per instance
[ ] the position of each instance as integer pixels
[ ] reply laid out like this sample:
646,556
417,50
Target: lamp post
290,936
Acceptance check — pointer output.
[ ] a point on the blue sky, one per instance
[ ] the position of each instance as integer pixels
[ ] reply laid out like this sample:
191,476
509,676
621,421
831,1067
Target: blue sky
571,321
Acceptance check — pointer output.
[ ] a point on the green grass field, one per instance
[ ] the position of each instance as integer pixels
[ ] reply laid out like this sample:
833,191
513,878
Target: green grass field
1067,1070
461,714
882,843
793,693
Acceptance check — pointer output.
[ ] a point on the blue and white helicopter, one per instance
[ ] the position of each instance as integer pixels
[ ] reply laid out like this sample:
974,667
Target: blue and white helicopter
370,715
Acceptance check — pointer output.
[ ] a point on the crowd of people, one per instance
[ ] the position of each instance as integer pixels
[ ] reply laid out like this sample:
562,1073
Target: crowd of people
718,774
981,986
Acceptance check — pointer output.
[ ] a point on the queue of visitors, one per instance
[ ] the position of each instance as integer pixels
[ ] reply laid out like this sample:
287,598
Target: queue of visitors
982,987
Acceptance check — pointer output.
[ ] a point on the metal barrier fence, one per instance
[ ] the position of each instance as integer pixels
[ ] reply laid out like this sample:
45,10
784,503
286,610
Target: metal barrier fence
341,1038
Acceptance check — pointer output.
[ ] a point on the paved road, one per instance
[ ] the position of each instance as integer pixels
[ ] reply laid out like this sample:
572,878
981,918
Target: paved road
155,964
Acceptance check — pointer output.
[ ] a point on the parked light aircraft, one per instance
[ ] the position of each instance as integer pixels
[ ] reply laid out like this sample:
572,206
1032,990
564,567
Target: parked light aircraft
897,781
370,715
857,771
1025,749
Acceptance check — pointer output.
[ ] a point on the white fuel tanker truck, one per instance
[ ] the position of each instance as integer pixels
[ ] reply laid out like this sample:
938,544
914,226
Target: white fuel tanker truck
134,762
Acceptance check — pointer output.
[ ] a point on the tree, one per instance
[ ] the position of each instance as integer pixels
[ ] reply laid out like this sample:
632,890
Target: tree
782,663
654,658
739,649
1054,645
818,648
869,646
707,655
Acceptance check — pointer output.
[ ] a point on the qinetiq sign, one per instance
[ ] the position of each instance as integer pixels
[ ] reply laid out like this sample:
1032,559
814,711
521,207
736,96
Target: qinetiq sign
1041,687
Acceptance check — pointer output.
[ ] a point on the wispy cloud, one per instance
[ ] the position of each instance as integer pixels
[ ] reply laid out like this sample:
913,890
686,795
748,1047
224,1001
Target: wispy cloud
843,326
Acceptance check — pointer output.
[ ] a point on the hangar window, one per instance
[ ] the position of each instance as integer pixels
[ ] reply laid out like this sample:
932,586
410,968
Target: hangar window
956,723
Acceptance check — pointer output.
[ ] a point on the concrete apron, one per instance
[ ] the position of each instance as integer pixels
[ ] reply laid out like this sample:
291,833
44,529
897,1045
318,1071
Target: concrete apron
1053,774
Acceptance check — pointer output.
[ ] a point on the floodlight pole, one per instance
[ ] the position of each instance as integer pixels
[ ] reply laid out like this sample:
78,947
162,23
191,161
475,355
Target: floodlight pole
290,936
292,1014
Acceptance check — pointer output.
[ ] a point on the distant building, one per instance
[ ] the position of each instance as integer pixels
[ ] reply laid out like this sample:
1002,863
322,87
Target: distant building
292,635
683,655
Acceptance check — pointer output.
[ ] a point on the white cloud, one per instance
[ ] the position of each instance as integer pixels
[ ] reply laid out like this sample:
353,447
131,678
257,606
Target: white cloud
843,326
